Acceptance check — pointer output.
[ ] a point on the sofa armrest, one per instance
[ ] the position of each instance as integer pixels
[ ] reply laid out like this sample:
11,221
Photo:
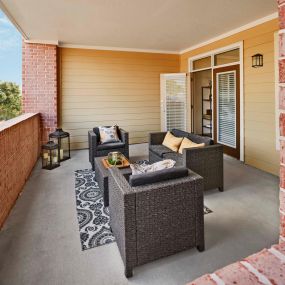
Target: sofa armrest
124,135
92,144
156,138
181,201
207,152
122,207
208,162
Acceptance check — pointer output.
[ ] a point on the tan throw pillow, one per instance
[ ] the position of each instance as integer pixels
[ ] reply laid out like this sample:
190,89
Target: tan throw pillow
172,142
186,143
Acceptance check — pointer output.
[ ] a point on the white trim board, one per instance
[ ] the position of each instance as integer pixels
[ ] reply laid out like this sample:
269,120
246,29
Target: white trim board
118,49
43,42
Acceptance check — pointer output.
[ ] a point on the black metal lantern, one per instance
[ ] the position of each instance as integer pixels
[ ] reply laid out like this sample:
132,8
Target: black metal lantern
62,138
257,60
50,155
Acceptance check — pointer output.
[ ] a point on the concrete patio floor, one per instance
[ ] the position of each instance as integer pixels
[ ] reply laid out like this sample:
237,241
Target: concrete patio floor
39,243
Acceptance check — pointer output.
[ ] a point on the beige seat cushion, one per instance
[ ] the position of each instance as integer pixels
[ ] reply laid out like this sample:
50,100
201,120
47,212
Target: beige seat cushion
172,142
186,143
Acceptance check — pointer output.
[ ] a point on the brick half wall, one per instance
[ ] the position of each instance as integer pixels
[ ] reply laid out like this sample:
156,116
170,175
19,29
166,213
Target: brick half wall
20,149
40,84
281,10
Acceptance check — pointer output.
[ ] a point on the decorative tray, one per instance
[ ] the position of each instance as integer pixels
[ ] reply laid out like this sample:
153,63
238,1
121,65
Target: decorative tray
124,164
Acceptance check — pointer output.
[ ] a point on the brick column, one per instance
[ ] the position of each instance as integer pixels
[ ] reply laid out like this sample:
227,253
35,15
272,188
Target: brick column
281,9
40,84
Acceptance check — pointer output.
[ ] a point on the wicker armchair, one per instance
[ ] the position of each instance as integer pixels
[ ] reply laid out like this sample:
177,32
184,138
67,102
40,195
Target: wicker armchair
206,161
156,220
96,149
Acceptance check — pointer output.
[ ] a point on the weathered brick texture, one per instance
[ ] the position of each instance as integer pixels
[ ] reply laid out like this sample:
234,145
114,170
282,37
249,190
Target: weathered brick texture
282,152
282,200
265,267
281,16
40,84
282,71
280,2
281,45
281,8
282,97
19,144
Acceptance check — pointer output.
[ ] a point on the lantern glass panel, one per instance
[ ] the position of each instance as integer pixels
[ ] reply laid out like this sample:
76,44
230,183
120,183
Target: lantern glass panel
64,148
50,156
54,155
257,60
253,61
61,138
261,60
46,158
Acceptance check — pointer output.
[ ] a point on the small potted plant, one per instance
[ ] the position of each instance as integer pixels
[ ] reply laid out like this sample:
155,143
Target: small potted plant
115,158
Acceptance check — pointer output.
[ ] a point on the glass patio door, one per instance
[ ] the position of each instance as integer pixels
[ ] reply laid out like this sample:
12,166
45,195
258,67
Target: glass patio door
226,106
173,101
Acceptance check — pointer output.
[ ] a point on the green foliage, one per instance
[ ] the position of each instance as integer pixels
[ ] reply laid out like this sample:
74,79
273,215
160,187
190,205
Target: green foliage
10,100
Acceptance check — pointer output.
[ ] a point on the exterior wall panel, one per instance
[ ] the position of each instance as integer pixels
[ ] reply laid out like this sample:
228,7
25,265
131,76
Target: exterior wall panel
259,93
110,87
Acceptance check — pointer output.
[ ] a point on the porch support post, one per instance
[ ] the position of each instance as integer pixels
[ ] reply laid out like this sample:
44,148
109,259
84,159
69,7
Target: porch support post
40,84
281,10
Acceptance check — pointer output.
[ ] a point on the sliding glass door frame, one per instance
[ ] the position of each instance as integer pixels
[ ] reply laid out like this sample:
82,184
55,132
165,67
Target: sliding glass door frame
212,53
235,69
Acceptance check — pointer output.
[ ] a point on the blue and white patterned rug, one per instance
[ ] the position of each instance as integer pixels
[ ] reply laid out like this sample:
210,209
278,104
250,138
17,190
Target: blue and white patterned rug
93,217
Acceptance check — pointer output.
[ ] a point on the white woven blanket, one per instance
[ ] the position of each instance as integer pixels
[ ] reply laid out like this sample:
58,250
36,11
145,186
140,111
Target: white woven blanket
144,168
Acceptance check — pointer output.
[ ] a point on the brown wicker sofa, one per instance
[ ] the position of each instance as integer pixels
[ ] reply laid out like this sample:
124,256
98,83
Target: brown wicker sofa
157,219
206,161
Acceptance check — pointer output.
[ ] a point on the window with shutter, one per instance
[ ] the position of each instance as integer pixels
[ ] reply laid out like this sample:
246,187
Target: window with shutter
226,108
175,102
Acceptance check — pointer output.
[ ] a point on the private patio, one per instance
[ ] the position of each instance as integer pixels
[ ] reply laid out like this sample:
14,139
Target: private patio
40,241
220,81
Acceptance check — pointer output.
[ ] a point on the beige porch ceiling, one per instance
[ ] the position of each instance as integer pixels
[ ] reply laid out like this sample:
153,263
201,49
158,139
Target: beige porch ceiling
165,25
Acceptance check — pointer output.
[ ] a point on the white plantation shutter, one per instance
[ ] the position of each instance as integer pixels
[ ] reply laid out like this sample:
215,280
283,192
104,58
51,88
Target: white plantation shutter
174,101
226,108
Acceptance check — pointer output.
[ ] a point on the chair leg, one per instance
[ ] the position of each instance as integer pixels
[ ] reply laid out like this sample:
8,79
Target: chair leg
221,189
128,272
201,247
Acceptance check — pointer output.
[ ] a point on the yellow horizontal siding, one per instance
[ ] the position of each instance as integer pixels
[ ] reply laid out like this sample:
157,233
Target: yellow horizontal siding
107,87
259,93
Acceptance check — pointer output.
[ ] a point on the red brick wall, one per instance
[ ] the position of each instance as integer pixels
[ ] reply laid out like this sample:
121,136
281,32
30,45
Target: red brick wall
281,9
19,144
40,87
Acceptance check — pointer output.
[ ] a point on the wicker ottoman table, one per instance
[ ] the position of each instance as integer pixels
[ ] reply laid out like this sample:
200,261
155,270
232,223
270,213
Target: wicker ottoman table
102,175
